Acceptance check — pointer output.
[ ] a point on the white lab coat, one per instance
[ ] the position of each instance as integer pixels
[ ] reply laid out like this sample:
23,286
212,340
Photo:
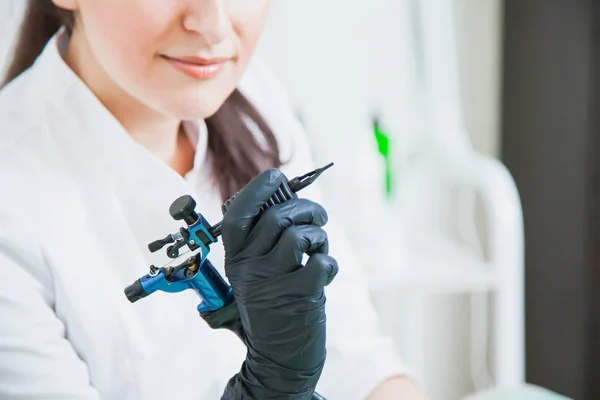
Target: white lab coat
79,202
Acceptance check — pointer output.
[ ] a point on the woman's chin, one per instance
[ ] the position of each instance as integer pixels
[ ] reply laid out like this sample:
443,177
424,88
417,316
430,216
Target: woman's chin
197,112
196,108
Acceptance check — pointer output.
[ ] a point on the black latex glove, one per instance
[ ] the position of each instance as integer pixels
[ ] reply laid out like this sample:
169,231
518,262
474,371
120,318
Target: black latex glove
280,302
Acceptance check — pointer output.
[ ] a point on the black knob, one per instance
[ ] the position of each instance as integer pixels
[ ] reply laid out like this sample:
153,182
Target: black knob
184,208
135,291
159,244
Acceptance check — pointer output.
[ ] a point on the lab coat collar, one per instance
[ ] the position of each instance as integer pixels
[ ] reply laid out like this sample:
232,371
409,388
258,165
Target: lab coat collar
100,130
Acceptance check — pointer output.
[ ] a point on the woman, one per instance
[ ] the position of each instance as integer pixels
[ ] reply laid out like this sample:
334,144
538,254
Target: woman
128,106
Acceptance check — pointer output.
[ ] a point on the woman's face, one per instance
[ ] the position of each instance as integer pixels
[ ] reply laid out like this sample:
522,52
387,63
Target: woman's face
182,58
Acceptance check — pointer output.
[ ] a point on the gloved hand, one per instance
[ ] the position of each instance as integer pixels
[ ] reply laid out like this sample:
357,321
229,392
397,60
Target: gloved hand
281,303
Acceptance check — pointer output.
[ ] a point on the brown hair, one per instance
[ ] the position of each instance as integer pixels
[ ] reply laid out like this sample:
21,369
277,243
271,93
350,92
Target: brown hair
235,154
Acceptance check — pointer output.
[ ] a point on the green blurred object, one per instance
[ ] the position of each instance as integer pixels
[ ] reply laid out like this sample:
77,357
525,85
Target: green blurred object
383,144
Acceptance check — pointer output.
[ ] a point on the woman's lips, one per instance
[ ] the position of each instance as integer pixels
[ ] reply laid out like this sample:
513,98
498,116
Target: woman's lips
196,67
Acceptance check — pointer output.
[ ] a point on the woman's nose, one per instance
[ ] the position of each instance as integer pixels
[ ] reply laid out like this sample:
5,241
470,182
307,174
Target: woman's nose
209,19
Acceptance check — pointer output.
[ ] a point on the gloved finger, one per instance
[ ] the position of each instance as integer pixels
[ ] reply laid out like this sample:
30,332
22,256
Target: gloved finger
295,241
325,265
277,290
274,221
309,280
240,217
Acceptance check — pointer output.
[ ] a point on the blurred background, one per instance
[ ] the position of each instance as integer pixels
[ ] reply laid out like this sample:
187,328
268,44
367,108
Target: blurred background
467,166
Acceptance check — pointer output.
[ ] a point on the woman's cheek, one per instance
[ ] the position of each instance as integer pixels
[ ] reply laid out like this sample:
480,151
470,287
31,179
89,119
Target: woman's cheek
124,34
125,63
249,28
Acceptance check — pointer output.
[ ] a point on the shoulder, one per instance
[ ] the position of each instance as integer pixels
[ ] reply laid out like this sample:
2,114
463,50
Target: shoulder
23,110
23,120
260,84
267,93
25,173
